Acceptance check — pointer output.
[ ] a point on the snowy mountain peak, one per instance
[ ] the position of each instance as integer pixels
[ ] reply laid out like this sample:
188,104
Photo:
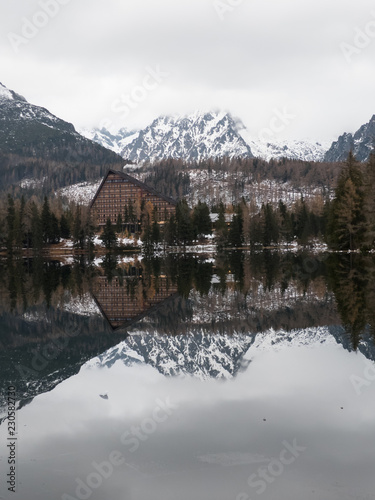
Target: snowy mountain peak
113,140
200,135
193,137
296,150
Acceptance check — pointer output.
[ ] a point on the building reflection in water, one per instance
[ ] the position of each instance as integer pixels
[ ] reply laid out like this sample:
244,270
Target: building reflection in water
130,293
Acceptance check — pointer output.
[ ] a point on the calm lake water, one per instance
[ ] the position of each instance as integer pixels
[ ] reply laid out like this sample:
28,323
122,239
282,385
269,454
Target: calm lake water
190,378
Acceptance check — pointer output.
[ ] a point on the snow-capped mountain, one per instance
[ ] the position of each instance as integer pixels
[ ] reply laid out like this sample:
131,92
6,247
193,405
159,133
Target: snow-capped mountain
194,137
361,143
295,150
114,141
199,136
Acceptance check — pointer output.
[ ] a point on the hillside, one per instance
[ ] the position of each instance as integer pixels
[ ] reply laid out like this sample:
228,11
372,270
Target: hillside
361,143
37,145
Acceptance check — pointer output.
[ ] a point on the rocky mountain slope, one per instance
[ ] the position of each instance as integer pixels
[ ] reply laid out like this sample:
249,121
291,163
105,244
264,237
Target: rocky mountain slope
295,150
216,134
361,143
35,144
199,136
195,137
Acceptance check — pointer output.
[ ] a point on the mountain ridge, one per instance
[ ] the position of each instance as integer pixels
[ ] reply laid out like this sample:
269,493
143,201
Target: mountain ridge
35,144
190,138
218,356
201,135
361,143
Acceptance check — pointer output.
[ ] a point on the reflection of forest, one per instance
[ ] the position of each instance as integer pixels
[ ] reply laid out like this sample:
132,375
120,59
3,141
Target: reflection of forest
351,278
50,323
239,292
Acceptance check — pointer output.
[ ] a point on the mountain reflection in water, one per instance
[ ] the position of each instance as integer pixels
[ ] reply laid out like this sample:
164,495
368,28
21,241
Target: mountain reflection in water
55,318
244,353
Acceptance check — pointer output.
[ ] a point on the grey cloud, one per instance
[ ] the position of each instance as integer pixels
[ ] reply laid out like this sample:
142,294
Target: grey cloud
282,52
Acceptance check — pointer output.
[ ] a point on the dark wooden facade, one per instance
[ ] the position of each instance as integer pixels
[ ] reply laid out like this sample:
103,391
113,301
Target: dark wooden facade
118,189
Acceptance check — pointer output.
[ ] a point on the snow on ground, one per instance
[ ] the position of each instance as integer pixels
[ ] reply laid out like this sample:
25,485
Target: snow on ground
81,193
121,241
32,183
66,243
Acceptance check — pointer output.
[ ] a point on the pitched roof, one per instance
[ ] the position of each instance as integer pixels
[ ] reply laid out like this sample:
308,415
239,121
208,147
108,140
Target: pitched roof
135,181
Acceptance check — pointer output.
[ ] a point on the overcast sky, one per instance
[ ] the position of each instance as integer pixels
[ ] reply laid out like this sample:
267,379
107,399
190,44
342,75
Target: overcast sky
123,63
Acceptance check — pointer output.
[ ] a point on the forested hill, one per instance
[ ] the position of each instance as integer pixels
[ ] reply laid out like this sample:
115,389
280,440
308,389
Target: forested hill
40,148
231,179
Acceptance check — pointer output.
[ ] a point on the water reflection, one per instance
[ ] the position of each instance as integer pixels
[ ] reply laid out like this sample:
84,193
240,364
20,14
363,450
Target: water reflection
352,279
254,292
278,328
56,317
126,292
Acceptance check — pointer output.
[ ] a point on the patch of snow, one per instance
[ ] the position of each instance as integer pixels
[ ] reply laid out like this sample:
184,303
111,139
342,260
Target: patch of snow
81,193
32,183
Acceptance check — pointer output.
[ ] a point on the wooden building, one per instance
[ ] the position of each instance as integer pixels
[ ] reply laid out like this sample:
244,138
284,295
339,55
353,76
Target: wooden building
119,193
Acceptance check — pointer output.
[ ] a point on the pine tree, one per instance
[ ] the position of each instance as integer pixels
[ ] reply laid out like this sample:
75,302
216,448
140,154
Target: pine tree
221,233
19,226
126,215
46,219
170,231
347,208
183,222
271,230
155,232
119,223
89,235
302,222
64,227
108,236
131,212
347,223
369,202
286,227
10,219
77,227
201,219
36,229
55,229
235,236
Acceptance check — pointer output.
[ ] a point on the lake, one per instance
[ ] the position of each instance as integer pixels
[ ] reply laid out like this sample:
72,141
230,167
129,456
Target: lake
239,376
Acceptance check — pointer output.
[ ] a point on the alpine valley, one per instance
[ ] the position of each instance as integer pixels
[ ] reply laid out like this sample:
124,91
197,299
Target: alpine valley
205,155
